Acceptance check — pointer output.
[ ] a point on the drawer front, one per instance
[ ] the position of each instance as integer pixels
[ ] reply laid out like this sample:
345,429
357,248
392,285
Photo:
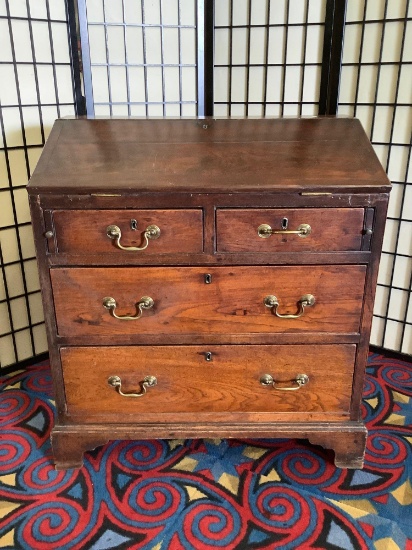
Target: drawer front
187,383
223,300
86,231
330,229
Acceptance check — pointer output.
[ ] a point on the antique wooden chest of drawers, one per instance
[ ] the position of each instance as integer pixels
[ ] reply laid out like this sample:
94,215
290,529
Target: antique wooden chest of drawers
208,278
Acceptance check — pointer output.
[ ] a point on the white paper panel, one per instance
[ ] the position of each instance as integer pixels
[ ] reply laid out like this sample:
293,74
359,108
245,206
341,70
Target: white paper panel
142,57
36,88
383,103
282,43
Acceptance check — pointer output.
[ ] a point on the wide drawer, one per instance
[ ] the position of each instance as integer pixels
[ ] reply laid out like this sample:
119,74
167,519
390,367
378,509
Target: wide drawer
222,300
187,383
316,229
86,231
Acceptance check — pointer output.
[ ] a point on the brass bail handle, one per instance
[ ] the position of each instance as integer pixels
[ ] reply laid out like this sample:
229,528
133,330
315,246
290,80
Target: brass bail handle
297,383
145,302
307,300
265,231
152,232
147,382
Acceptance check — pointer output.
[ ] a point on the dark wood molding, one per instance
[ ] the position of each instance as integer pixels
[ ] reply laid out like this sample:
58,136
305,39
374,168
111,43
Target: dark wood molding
332,56
205,57
209,189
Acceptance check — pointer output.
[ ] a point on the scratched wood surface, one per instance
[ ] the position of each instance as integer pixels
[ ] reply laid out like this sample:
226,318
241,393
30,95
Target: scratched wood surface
209,179
85,231
331,229
186,382
263,155
231,303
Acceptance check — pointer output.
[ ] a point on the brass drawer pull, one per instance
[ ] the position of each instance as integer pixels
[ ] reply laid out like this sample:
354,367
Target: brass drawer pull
116,382
145,302
298,382
151,232
305,301
265,231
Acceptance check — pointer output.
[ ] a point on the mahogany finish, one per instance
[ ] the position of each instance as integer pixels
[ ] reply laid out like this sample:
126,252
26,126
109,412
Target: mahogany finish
268,155
331,229
208,185
188,383
82,232
232,303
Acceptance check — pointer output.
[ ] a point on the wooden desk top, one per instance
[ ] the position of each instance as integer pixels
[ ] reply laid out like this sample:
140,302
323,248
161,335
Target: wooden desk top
208,156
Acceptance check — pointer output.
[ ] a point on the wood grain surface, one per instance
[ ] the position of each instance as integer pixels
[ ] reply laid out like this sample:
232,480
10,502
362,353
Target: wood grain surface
331,229
189,383
84,231
264,155
208,184
183,303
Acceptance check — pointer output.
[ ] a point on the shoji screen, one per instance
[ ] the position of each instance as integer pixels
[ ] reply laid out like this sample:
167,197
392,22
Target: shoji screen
376,86
139,57
36,88
268,56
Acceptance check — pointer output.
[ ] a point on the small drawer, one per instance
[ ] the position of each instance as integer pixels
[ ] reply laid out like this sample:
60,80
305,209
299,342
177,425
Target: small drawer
208,300
122,231
297,230
180,379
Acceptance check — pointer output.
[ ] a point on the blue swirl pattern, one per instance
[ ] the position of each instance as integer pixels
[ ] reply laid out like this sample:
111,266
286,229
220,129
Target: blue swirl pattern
206,494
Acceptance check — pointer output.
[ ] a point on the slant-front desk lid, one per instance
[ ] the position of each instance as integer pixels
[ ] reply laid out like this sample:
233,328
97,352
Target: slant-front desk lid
208,155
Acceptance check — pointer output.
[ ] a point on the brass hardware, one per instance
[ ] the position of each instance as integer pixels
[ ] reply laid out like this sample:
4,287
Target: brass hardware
285,223
368,231
105,195
151,232
208,278
299,381
49,234
133,225
208,356
310,194
148,382
144,303
307,300
265,231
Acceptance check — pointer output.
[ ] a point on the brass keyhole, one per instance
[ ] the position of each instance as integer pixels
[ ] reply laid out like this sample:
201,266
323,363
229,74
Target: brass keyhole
133,225
285,222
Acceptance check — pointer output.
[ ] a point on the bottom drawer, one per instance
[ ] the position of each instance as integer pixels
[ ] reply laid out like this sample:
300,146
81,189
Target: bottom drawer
214,382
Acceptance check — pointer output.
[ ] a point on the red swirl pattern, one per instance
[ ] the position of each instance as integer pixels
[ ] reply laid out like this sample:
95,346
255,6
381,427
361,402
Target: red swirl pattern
205,494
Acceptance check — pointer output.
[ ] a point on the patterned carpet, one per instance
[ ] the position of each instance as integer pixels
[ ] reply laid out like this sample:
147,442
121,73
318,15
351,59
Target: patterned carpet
202,495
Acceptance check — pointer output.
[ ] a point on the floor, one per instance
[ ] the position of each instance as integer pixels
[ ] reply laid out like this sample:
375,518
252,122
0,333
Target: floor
204,494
